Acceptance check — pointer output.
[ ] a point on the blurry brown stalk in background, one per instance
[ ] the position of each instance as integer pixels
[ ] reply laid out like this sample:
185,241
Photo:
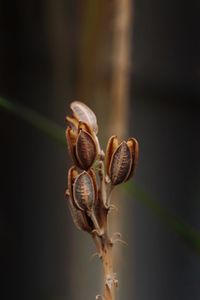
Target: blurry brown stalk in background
105,59
101,55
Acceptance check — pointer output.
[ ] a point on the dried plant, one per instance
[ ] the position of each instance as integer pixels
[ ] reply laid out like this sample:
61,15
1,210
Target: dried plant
90,182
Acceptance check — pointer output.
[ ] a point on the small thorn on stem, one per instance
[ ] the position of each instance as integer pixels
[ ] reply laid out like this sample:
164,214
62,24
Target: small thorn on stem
107,179
94,255
67,193
101,170
99,297
102,155
120,241
117,234
111,281
113,207
98,232
116,283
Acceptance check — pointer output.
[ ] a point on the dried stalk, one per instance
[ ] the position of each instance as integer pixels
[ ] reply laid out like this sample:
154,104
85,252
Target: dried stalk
110,283
121,61
106,243
119,94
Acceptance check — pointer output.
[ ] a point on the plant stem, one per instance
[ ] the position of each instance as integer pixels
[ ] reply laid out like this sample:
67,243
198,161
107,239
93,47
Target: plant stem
110,283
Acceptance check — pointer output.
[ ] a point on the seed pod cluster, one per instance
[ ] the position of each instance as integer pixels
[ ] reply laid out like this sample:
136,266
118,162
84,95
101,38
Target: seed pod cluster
88,195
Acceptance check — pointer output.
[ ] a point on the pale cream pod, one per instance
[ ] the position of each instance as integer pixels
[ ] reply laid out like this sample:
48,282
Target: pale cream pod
83,113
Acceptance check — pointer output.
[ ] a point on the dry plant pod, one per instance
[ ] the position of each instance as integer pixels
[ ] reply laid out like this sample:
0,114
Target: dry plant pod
71,137
84,114
88,129
98,210
78,125
82,146
86,150
120,164
94,181
134,148
85,195
74,124
84,192
112,145
121,159
80,218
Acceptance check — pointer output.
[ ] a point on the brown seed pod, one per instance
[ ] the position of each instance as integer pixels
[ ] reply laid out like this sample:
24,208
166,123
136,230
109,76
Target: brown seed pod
83,192
71,137
94,180
72,174
87,128
112,145
73,123
97,213
80,218
82,147
84,114
98,207
86,150
120,165
134,149
121,159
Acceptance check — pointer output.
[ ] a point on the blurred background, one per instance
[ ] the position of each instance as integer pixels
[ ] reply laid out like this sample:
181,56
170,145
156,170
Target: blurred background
137,65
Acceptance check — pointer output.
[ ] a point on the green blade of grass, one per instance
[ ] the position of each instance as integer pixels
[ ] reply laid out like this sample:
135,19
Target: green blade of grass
35,119
187,233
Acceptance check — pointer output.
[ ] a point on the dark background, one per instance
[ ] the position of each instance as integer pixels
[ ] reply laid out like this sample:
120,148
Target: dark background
39,67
